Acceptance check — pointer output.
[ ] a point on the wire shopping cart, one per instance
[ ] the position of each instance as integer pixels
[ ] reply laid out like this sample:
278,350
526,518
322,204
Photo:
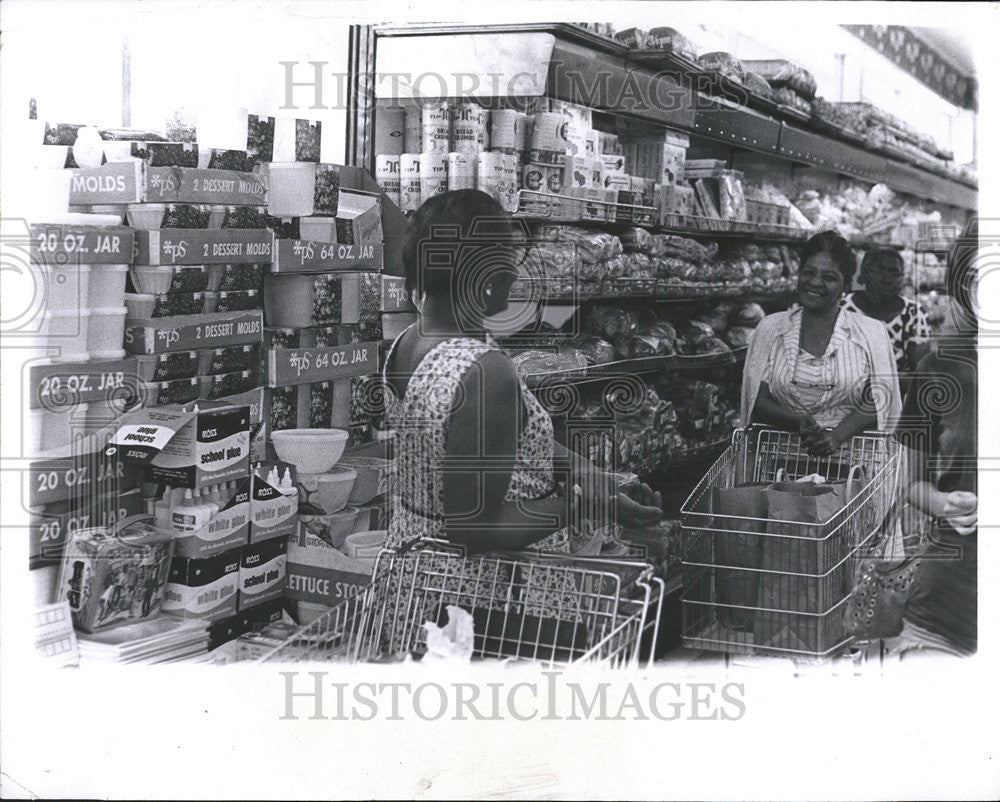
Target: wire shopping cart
753,585
546,608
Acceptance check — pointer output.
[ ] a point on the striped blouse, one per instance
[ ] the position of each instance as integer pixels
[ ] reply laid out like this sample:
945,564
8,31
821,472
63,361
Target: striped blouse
828,386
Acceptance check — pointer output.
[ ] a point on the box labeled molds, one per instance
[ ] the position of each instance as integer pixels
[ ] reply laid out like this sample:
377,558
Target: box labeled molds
114,183
187,448
263,572
193,185
274,501
189,332
198,537
115,576
202,246
203,588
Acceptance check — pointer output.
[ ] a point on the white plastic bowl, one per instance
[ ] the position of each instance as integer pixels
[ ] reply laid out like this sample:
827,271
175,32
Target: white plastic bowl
146,216
328,491
337,526
365,545
291,189
310,450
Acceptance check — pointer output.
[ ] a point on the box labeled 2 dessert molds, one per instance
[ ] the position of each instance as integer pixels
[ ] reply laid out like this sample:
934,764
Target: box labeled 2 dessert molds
187,449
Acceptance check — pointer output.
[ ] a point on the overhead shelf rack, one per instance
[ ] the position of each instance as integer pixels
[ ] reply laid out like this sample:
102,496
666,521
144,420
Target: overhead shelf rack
591,70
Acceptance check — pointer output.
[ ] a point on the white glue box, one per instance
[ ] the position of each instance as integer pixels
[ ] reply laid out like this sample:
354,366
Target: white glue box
225,530
203,588
186,449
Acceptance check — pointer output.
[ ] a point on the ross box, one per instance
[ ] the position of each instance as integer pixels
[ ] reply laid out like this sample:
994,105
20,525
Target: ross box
320,574
113,577
259,617
272,513
203,588
263,573
191,449
227,530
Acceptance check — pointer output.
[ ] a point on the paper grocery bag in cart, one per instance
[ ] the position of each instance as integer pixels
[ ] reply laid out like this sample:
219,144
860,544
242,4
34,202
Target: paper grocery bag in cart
738,544
795,559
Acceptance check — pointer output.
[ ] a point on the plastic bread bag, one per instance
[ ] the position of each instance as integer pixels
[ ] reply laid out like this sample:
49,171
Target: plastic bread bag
636,240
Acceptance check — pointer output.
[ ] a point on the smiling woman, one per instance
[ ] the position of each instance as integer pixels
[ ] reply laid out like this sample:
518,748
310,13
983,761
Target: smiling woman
821,370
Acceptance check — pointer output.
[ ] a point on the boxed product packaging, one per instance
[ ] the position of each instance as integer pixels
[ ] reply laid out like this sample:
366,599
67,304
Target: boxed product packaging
302,189
203,246
255,643
50,524
112,577
203,588
613,164
359,219
274,501
256,618
321,574
190,332
191,449
583,172
263,572
661,159
199,534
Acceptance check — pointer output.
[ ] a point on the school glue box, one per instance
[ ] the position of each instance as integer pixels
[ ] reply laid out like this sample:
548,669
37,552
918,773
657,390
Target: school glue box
195,449
262,572
274,502
227,529
203,588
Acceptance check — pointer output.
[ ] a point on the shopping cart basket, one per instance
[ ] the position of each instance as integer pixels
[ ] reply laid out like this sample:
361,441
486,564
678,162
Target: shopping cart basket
552,609
759,586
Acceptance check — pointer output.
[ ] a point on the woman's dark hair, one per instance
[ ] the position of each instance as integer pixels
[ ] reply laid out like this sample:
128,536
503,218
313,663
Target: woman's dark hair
877,258
455,239
836,247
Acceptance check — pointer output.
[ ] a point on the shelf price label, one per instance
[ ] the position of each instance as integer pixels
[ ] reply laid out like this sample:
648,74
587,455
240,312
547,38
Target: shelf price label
287,366
54,386
60,245
307,256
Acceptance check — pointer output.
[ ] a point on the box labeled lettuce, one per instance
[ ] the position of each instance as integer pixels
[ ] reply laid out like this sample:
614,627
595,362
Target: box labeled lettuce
309,365
113,183
204,186
114,577
321,574
192,246
203,588
188,332
191,449
274,501
59,245
263,572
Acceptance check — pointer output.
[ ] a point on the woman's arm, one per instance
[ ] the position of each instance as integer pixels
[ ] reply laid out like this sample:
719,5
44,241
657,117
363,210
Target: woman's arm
480,454
769,411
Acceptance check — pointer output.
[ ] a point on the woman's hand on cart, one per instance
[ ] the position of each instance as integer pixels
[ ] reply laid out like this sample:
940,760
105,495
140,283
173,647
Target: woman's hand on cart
819,442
